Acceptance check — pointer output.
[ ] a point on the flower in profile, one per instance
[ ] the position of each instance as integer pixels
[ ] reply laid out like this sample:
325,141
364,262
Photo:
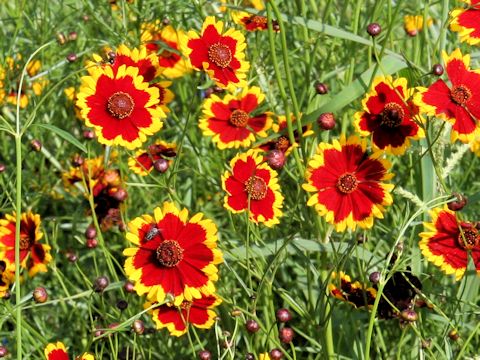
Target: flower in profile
221,55
389,116
172,255
252,22
165,95
105,185
354,293
143,161
235,121
282,141
256,4
448,240
121,107
458,104
348,183
413,24
253,186
34,256
177,318
466,21
164,42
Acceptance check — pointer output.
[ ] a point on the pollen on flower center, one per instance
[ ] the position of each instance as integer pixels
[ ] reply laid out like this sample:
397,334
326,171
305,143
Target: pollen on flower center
256,188
186,305
470,238
220,55
169,253
460,94
24,242
347,183
120,105
259,20
239,118
392,115
282,143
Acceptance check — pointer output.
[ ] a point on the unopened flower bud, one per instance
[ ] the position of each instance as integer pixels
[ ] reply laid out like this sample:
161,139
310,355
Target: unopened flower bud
90,232
40,295
321,88
375,277
72,36
252,326
249,356
92,243
36,145
276,354
235,312
458,203
138,327
286,335
100,283
122,305
283,315
374,29
72,57
120,195
161,165
129,286
61,38
3,351
326,121
276,159
409,315
77,160
2,167
453,334
437,69
204,355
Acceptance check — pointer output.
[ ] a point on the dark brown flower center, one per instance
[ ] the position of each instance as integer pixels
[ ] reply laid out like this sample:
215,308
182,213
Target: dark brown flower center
120,105
169,253
25,242
392,115
282,143
220,55
239,118
347,183
469,239
259,20
460,94
256,188
166,54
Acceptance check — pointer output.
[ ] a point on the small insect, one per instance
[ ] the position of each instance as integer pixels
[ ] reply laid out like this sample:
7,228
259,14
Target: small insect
154,231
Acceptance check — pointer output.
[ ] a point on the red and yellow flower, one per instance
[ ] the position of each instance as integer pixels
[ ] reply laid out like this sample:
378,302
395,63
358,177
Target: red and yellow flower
142,162
466,21
389,116
413,24
121,107
34,256
220,55
234,121
348,183
172,255
253,186
354,293
257,4
252,22
177,318
57,351
6,277
448,241
458,104
165,44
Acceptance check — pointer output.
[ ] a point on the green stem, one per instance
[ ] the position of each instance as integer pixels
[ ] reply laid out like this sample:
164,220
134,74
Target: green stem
328,331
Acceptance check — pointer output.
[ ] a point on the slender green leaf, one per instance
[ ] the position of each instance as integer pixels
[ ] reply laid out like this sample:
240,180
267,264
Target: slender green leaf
64,135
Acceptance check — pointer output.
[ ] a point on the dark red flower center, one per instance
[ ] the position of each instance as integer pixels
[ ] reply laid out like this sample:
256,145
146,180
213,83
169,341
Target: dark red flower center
166,54
120,105
469,239
347,183
392,115
186,305
25,242
220,55
282,143
256,188
169,253
239,118
460,94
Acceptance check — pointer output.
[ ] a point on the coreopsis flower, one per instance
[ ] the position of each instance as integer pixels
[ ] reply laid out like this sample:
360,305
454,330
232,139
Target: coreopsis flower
143,161
352,292
172,255
235,120
105,185
114,4
466,21
282,141
252,22
413,24
348,184
257,4
2,84
34,256
264,356
253,186
120,106
448,240
176,318
164,42
57,351
458,104
13,72
165,95
475,146
6,277
389,116
220,55
71,95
